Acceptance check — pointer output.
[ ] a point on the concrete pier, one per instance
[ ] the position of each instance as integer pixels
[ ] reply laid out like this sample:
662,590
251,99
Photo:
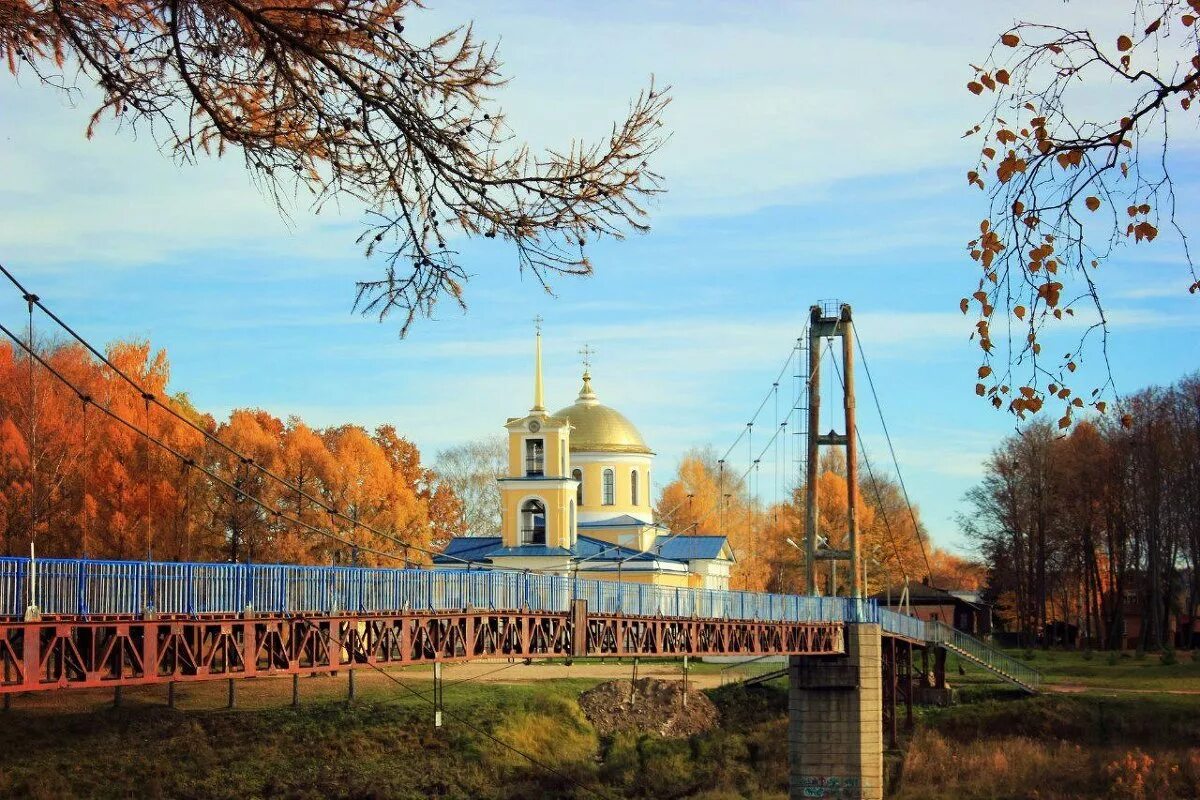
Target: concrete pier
835,730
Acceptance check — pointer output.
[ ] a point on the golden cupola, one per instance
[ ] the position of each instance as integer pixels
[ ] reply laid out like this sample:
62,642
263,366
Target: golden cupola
596,428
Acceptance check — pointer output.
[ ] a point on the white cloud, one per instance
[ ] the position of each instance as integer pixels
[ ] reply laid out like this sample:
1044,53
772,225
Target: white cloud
773,105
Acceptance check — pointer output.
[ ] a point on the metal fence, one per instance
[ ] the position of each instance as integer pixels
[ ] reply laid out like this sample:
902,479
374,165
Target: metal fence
86,587
1002,664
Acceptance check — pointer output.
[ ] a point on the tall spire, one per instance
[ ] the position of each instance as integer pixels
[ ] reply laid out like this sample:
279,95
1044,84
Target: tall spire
539,403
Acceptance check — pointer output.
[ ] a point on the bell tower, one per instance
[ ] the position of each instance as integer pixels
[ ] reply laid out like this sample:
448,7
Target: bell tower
537,495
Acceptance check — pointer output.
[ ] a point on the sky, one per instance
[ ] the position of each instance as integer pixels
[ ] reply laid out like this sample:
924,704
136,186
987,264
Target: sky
815,153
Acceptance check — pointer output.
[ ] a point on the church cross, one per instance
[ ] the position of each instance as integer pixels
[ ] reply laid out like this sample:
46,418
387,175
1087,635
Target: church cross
587,351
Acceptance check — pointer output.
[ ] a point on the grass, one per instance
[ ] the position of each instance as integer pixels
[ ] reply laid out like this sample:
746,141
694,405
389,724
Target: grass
998,743
1096,670
695,665
382,745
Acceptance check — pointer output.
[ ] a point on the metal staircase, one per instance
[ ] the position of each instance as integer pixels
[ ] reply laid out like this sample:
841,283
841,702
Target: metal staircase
982,655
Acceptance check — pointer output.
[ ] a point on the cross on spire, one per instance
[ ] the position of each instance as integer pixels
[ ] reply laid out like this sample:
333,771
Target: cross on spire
587,351
537,324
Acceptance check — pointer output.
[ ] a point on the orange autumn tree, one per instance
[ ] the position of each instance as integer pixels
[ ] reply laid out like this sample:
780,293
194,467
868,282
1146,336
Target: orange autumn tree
705,499
337,102
102,490
709,500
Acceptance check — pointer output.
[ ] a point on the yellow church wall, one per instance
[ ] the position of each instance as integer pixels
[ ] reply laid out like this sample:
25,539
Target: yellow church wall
593,486
557,499
670,579
635,536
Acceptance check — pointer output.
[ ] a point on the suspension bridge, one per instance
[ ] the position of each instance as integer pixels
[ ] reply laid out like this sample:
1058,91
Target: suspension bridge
68,624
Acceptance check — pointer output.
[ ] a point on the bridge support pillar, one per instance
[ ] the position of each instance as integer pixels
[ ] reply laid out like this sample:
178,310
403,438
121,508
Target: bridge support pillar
835,729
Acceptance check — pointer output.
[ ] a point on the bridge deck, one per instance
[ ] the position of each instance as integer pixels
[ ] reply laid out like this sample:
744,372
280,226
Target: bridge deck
110,623
36,656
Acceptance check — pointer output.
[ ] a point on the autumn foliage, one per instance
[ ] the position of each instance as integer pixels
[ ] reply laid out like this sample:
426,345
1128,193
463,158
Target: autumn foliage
1073,176
99,489
1098,529
705,499
335,103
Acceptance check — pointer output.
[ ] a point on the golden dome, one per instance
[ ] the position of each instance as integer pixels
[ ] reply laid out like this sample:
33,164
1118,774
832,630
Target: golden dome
596,428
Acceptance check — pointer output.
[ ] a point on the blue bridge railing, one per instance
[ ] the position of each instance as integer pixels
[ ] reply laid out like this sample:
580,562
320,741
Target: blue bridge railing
87,587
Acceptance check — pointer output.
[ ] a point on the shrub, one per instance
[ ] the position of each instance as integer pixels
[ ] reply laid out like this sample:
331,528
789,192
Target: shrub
1139,776
1113,658
1168,658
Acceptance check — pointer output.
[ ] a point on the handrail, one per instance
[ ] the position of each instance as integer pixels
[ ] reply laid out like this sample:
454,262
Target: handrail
90,587
907,627
986,656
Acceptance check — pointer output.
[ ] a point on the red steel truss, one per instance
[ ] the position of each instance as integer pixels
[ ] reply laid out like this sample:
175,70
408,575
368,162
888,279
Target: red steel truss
85,653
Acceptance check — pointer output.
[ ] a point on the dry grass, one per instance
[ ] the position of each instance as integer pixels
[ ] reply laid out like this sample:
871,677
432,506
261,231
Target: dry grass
937,768
551,729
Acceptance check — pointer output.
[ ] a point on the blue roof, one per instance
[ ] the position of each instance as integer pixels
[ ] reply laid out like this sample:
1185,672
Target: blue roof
623,521
586,546
682,548
530,550
483,548
468,548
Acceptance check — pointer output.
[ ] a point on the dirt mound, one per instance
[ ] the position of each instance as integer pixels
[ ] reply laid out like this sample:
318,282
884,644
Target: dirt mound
649,706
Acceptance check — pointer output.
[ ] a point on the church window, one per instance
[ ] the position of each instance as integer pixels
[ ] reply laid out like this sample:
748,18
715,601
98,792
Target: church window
533,522
577,474
609,488
633,486
535,457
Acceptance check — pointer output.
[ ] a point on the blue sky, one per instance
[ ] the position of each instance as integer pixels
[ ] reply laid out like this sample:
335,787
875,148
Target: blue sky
815,154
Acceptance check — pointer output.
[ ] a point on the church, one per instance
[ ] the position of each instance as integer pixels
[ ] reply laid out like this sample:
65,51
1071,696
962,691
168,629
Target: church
576,501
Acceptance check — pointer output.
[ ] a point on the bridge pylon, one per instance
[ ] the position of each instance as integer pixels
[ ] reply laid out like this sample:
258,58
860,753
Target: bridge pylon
835,703
829,322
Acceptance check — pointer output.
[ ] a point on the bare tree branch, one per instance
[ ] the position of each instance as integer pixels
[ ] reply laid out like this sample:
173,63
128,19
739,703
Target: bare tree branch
1067,187
328,99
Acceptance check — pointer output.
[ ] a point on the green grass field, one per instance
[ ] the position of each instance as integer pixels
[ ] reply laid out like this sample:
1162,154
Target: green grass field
997,743
1095,670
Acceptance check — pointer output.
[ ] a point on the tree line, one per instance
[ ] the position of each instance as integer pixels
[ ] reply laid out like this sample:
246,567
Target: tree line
706,499
80,483
1098,529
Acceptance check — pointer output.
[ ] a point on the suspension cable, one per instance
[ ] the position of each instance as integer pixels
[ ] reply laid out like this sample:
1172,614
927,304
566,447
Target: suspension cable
152,399
189,461
763,404
895,462
887,525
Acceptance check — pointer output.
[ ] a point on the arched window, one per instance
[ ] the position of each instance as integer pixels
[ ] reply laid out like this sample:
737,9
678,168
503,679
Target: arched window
609,488
577,474
563,459
535,458
633,486
533,522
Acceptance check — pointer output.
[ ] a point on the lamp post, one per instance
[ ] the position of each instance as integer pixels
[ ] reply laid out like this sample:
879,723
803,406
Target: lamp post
887,577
